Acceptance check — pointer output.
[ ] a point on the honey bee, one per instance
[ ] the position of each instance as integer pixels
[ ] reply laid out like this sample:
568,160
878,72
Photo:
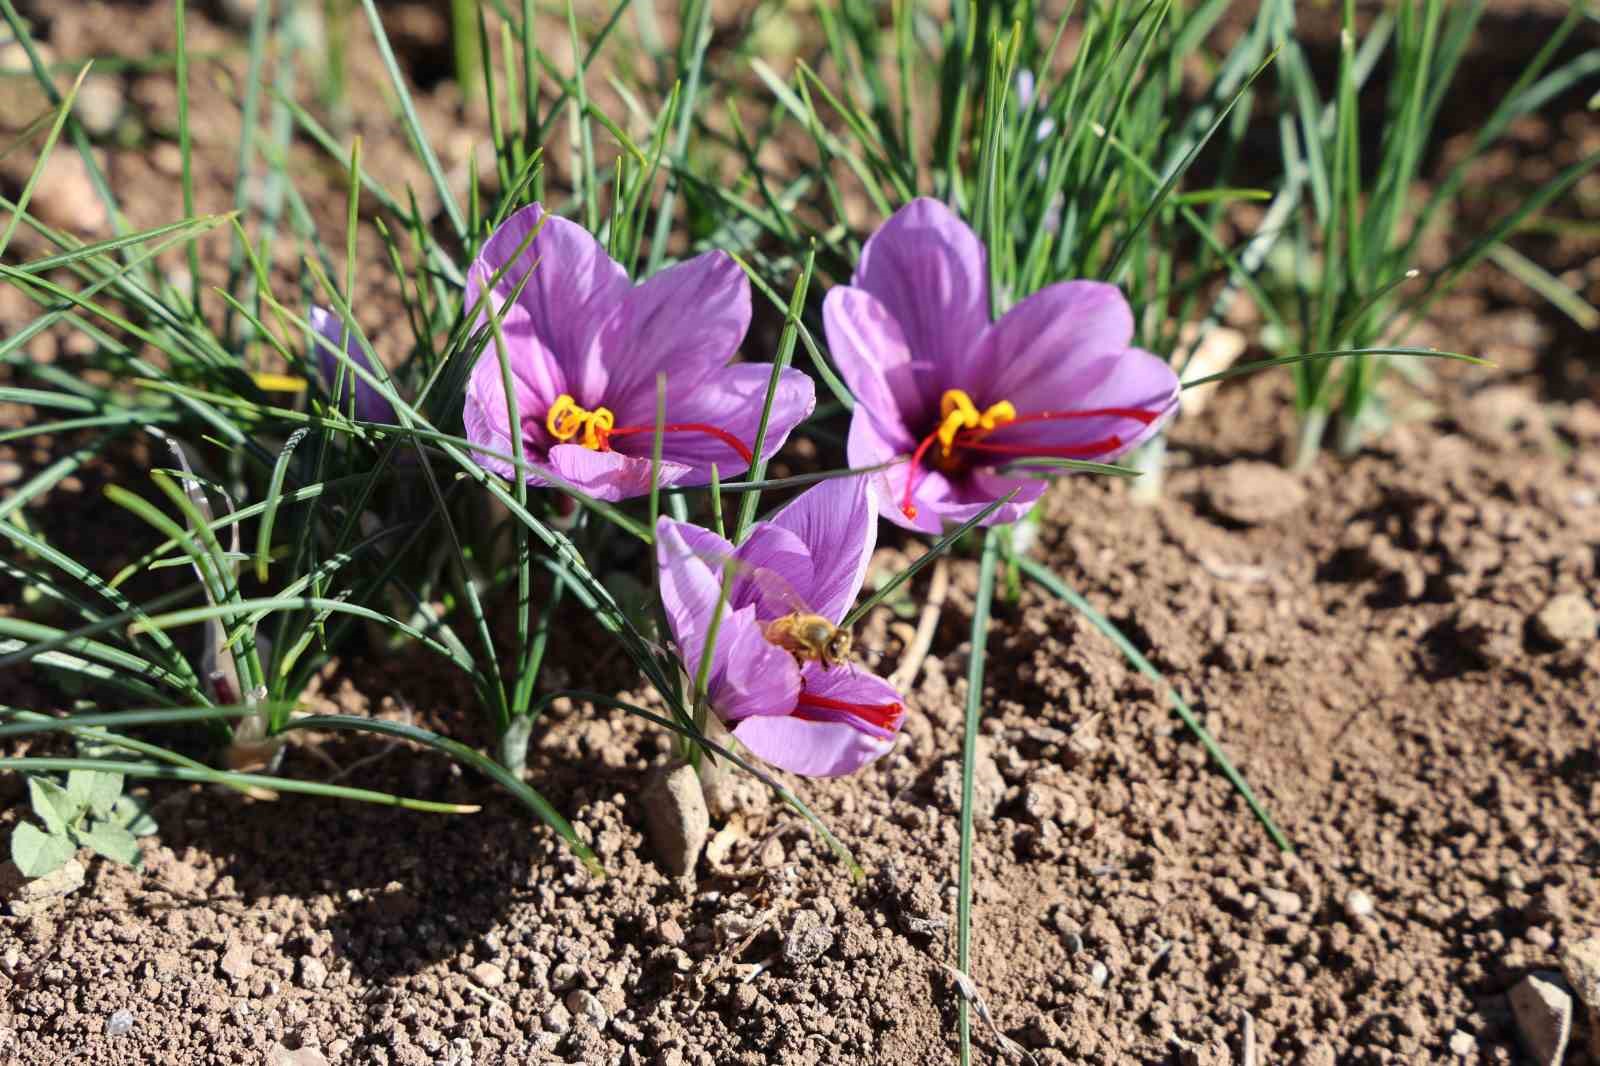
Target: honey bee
802,632
811,637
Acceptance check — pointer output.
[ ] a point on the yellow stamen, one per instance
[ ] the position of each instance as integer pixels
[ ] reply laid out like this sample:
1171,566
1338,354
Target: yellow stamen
957,412
268,382
566,420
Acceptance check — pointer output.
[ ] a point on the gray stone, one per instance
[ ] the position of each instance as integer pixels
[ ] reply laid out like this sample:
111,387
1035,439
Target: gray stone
676,819
120,1023
100,104
557,1020
1543,1010
988,787
1567,620
1580,962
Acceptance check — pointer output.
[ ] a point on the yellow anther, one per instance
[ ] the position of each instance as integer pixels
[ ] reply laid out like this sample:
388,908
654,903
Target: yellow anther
957,412
566,420
600,423
997,415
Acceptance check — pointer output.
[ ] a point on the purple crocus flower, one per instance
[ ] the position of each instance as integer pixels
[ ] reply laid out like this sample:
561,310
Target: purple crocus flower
584,346
370,403
811,558
958,396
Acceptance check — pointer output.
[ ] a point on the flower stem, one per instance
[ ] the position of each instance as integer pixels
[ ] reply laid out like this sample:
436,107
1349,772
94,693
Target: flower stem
1313,423
1151,462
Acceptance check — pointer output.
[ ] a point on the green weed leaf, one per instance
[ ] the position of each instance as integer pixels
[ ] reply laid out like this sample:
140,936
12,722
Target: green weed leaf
112,841
95,790
52,804
37,853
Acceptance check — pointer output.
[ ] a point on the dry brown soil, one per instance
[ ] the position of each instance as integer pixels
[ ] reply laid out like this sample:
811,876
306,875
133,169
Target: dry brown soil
1362,640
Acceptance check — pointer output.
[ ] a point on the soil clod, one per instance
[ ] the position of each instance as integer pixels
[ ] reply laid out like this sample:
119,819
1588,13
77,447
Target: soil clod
1252,493
39,895
808,938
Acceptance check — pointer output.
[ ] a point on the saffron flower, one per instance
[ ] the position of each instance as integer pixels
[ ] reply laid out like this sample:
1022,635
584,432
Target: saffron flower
584,346
957,396
370,405
811,558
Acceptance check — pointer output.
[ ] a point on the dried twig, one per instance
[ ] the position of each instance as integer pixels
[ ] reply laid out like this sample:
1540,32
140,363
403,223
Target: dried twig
917,651
969,991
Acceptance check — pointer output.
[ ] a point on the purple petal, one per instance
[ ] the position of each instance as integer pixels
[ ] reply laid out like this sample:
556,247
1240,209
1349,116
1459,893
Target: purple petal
690,586
831,743
928,270
1128,381
776,572
748,675
869,446
759,679
872,355
729,399
686,322
370,405
1039,352
573,287
838,524
609,475
537,382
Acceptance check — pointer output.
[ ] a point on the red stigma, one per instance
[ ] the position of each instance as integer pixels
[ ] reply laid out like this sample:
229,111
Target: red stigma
885,716
688,427
972,442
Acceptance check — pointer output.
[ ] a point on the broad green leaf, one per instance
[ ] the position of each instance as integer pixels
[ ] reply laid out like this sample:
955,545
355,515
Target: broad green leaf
52,804
133,814
37,853
112,841
94,789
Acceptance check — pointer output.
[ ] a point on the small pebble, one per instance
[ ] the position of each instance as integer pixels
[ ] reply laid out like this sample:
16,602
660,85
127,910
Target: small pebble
584,1005
1567,620
557,1019
1281,901
1359,905
99,105
675,817
488,975
313,974
1099,974
1462,1044
120,1023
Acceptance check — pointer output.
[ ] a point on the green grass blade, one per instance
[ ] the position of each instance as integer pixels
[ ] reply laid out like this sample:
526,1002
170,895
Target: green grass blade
969,772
